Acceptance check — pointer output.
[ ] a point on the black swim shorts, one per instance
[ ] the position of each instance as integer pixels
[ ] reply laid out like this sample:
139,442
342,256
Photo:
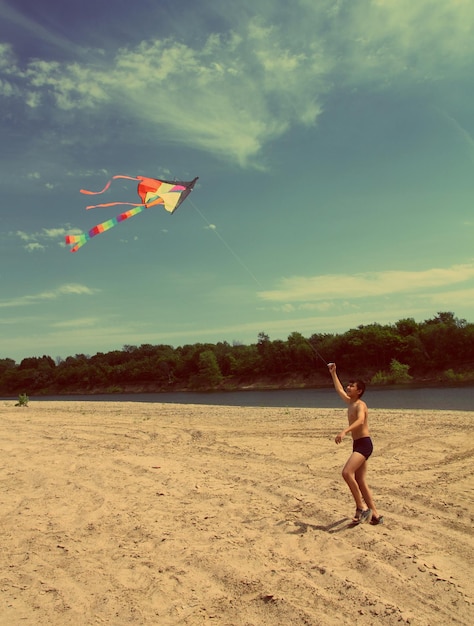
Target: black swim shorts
364,446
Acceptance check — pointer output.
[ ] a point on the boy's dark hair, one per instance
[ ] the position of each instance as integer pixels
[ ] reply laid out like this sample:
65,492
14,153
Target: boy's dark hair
360,386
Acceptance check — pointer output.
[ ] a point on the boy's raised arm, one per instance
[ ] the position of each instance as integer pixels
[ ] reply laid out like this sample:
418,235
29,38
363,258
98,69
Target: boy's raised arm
337,383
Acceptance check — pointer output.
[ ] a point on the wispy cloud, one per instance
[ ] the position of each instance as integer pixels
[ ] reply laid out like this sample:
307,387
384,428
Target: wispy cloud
298,289
35,247
81,322
265,74
406,41
246,90
9,14
53,294
37,241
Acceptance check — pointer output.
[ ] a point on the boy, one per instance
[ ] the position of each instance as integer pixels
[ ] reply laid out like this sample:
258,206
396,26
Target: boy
355,469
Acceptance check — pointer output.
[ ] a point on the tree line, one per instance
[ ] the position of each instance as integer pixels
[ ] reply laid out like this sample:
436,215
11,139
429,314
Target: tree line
440,348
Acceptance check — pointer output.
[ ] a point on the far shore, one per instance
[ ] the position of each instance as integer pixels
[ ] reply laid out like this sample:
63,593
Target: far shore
419,383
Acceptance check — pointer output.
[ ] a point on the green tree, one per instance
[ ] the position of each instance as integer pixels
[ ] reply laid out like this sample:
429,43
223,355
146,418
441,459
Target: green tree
445,340
301,354
6,364
209,374
397,375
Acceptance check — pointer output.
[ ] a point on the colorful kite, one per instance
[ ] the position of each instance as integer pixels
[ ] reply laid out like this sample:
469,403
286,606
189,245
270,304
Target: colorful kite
169,194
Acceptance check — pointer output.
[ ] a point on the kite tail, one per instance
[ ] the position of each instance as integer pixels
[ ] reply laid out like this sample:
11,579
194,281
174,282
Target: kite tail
97,206
80,240
94,193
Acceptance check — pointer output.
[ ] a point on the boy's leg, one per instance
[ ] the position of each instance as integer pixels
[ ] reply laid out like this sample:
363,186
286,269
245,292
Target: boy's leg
352,466
360,477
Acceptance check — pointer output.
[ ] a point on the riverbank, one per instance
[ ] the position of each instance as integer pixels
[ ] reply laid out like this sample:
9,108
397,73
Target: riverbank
146,513
318,380
458,398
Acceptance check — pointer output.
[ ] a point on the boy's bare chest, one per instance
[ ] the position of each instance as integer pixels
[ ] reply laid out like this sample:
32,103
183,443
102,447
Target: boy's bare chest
354,412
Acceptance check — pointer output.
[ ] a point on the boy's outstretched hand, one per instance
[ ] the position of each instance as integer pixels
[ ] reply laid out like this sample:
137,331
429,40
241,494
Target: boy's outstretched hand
340,437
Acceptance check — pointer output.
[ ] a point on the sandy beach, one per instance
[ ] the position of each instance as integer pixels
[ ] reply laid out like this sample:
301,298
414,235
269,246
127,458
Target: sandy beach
139,513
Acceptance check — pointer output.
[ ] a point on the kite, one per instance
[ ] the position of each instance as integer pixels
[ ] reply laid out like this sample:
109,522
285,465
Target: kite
169,194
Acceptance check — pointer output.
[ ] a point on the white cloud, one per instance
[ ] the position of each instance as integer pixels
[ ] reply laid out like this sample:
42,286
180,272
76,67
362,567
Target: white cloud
54,294
33,240
75,288
370,284
6,57
452,299
34,247
7,89
81,322
240,89
54,233
24,236
391,40
246,88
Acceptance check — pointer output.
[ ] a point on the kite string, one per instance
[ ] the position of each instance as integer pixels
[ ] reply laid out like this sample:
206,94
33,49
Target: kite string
236,256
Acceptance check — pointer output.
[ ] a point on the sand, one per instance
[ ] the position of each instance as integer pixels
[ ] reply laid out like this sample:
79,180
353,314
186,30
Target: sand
141,513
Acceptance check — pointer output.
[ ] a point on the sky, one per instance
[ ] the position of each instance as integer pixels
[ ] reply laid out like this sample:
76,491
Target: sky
334,145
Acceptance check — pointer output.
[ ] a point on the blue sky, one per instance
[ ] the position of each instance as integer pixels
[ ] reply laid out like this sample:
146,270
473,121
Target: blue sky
334,144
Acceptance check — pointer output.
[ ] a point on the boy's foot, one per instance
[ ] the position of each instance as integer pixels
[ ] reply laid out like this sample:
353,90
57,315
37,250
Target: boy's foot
375,521
361,516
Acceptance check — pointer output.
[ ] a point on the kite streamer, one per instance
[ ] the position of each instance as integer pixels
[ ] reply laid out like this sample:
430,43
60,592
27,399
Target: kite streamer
152,192
80,240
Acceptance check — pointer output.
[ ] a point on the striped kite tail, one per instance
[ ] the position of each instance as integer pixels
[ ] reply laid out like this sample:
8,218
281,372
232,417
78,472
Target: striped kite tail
77,240
80,240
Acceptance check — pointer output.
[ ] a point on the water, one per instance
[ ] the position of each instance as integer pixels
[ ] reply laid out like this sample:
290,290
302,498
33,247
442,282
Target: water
450,398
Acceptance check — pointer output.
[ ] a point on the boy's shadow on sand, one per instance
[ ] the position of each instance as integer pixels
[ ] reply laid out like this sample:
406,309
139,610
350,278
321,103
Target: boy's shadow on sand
336,527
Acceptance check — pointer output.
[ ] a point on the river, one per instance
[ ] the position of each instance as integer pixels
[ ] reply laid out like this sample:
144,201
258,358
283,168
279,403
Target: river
448,398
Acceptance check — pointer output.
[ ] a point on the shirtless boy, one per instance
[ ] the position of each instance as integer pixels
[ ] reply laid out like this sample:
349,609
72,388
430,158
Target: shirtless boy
355,469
